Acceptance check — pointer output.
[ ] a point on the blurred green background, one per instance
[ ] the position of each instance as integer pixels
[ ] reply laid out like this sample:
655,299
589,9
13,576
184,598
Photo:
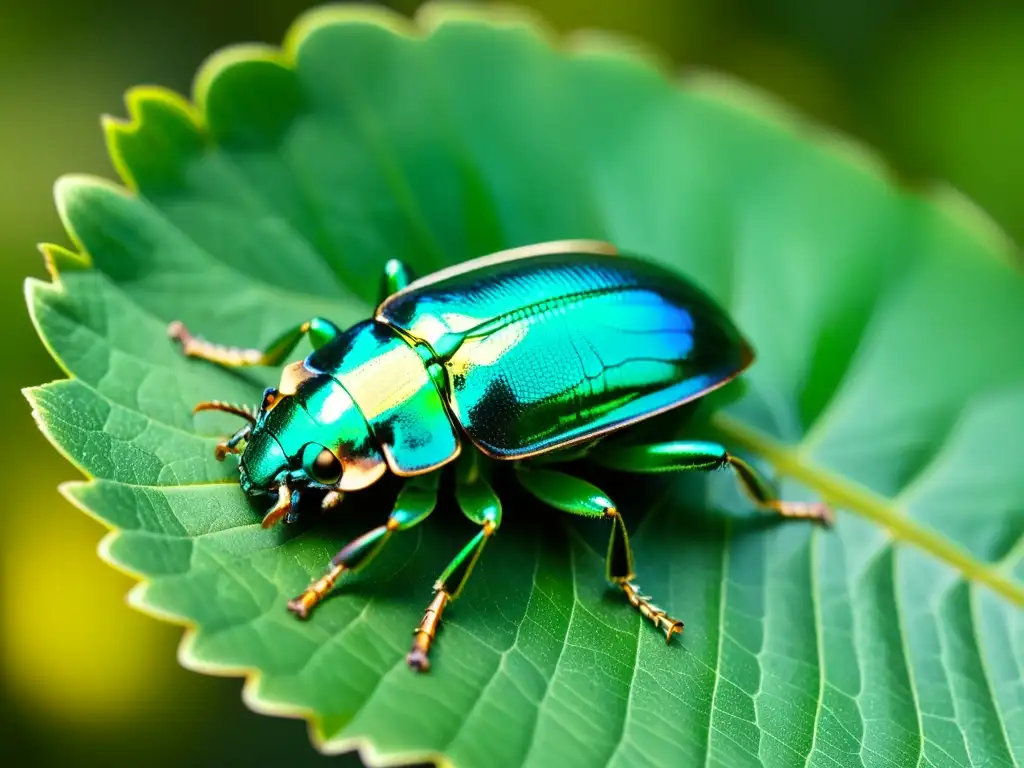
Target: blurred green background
935,87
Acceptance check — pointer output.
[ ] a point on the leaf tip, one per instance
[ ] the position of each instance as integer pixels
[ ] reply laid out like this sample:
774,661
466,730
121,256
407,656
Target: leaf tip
742,97
223,59
255,699
148,104
113,123
973,218
69,188
140,98
187,655
73,491
369,753
115,131
33,288
32,395
64,190
136,597
433,15
105,552
37,295
332,15
612,45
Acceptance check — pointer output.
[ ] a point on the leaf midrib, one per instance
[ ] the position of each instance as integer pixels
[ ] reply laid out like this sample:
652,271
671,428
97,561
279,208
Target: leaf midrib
855,497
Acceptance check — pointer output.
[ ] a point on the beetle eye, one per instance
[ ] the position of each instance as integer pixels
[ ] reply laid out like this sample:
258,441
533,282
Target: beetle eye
320,464
269,399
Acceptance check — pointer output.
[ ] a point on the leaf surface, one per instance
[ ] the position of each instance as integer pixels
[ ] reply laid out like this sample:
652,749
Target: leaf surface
889,379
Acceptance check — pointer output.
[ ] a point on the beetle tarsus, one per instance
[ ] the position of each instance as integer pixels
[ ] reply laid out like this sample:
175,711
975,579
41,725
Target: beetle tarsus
649,610
423,635
299,606
177,331
230,446
805,510
417,658
302,605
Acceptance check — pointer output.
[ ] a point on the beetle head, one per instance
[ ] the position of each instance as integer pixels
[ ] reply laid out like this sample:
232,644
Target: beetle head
314,441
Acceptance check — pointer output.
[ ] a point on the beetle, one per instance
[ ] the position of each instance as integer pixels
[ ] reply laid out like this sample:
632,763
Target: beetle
535,356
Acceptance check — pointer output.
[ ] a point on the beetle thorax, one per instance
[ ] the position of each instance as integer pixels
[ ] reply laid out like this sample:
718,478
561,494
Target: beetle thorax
320,414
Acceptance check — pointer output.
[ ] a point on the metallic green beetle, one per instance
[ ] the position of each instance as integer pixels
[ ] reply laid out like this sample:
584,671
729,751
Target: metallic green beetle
530,356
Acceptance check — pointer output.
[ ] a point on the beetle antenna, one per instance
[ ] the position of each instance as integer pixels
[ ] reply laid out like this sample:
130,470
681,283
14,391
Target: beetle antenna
216,405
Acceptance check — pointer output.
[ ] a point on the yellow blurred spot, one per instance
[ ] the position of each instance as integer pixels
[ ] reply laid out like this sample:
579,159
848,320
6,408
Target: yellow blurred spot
72,648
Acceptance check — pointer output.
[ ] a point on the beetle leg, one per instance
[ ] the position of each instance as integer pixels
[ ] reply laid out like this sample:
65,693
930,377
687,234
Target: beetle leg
414,504
578,497
703,456
230,445
481,505
396,276
319,330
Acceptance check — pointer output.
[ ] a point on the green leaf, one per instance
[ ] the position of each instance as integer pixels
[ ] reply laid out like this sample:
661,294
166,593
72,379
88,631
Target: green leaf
889,379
